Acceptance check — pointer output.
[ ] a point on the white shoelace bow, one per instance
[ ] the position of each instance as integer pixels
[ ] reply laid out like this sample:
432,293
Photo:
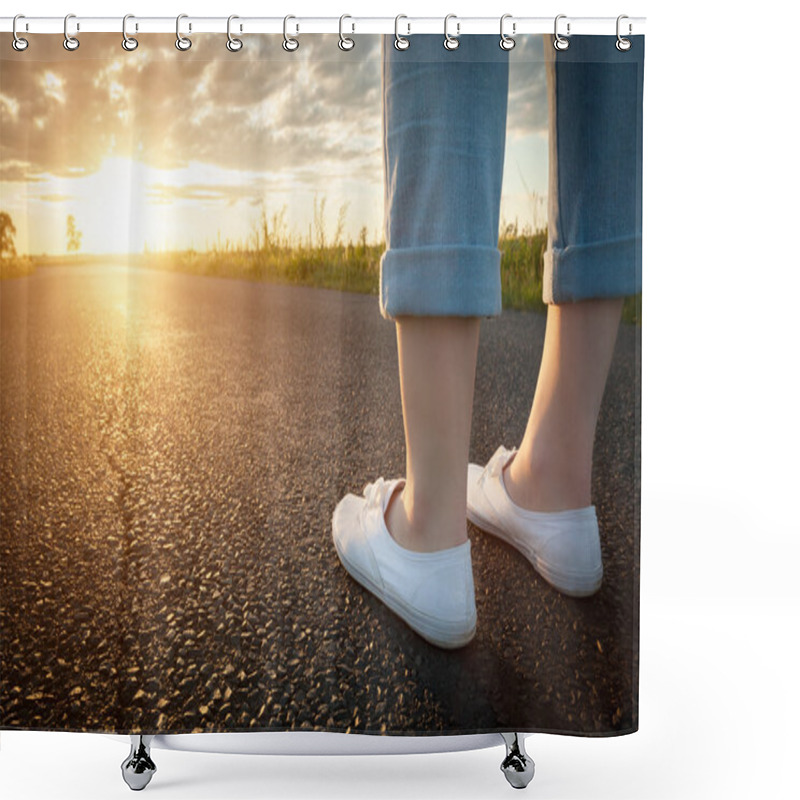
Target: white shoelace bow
494,467
373,492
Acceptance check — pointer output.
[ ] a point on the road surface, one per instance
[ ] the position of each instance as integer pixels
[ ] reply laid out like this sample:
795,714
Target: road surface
173,448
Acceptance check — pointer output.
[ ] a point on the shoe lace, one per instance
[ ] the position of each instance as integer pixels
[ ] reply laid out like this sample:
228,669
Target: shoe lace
373,492
495,465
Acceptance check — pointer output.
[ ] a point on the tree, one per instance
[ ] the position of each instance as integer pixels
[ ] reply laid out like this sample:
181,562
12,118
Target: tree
73,235
7,234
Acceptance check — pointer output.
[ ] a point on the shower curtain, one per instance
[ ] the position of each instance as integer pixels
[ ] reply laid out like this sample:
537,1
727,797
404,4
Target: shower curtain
198,362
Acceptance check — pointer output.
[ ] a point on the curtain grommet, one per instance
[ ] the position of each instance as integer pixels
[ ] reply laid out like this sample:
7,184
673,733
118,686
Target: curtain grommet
451,42
507,42
345,42
234,45
18,43
559,42
401,42
622,44
182,42
289,43
70,42
129,43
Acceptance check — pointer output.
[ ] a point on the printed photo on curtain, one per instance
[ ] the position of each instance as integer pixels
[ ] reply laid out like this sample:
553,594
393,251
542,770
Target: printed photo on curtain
320,385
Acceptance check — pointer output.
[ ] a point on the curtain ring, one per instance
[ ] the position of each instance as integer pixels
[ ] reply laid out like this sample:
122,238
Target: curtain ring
623,44
182,42
289,44
234,45
19,44
506,42
451,42
345,43
128,42
400,42
559,42
70,42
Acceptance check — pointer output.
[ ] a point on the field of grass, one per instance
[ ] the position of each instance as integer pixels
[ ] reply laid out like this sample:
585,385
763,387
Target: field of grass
355,266
521,273
276,255
16,266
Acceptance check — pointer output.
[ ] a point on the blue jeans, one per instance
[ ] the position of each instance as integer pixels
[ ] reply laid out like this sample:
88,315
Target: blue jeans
444,125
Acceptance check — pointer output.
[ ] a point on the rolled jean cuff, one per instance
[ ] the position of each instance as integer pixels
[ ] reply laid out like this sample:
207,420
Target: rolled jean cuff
593,271
441,281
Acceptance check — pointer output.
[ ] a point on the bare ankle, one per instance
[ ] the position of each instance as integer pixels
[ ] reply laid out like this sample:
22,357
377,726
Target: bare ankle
543,486
419,532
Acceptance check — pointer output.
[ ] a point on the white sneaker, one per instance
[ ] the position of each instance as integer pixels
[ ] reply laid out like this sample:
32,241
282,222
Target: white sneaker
433,593
563,546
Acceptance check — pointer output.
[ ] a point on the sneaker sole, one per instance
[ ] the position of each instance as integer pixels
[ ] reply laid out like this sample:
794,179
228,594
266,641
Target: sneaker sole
571,585
419,622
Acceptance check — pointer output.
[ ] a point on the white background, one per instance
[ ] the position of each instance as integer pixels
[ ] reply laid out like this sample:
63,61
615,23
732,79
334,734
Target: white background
720,607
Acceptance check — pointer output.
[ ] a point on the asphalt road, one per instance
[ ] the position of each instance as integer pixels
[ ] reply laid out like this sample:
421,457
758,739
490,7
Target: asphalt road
172,450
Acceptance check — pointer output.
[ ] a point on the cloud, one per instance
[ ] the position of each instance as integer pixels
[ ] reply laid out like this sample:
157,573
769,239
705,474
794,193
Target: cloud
9,109
163,193
53,198
61,120
261,109
16,170
527,88
299,115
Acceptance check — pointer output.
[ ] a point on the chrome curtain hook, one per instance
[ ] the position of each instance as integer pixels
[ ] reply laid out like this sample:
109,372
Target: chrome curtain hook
346,43
70,42
182,42
289,44
128,42
623,44
559,42
400,42
234,45
18,43
451,42
507,42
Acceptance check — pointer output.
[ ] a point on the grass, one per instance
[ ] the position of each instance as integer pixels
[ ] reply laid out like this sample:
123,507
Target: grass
16,267
521,267
278,256
350,267
522,270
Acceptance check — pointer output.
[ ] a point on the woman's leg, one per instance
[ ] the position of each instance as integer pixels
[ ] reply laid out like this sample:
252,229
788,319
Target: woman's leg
552,470
593,261
444,139
539,498
444,126
437,357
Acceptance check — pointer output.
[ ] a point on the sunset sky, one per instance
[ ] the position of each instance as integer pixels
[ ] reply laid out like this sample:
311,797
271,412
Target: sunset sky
170,149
